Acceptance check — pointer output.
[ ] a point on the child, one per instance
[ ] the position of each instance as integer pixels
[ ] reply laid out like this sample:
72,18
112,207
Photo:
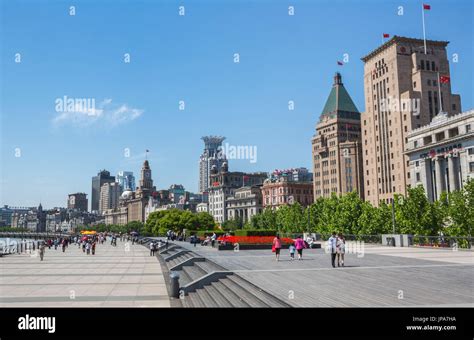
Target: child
292,252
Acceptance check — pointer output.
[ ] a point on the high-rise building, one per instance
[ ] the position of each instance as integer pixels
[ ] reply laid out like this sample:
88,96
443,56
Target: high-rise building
401,85
109,196
337,149
97,182
126,180
77,201
212,155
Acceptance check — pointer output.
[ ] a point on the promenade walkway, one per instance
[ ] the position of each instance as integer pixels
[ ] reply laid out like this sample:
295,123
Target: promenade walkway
381,277
122,276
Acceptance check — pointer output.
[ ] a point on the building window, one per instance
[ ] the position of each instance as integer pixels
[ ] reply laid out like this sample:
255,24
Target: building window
414,84
418,177
471,166
432,66
422,64
468,128
470,151
427,65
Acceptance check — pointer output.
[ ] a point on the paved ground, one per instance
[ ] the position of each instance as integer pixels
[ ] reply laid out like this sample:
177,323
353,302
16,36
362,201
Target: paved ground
382,276
114,277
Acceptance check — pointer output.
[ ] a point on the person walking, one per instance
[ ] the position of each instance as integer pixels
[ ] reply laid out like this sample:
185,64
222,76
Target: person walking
292,250
42,249
300,245
332,247
213,239
340,249
64,245
93,248
88,248
152,248
276,247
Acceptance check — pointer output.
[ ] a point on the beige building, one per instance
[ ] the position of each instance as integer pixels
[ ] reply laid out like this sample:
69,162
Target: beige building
337,149
401,94
109,196
246,203
283,191
442,154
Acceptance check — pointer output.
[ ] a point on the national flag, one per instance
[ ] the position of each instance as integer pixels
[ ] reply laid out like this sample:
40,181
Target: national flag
386,35
147,150
340,63
426,7
444,79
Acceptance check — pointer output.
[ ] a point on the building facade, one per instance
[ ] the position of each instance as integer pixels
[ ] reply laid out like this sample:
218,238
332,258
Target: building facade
77,201
223,185
97,182
246,203
441,154
109,196
126,180
336,146
6,213
211,156
280,191
401,94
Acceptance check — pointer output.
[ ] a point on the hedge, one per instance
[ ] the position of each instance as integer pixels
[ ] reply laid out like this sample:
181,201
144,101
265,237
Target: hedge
255,232
204,233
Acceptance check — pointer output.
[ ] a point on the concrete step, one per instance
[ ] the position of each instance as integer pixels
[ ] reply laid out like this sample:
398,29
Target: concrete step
208,267
179,260
216,295
243,294
229,295
194,272
184,278
195,300
263,296
206,298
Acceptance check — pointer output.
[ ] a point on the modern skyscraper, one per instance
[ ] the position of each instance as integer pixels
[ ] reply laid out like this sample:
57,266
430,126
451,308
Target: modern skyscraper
97,182
210,156
126,180
401,86
337,149
77,201
109,196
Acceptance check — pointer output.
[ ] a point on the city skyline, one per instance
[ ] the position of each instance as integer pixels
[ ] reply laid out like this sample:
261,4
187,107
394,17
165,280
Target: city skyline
137,104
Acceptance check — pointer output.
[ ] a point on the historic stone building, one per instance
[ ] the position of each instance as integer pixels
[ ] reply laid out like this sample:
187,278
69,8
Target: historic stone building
211,156
97,181
132,204
441,154
283,189
401,85
224,184
337,148
109,196
246,203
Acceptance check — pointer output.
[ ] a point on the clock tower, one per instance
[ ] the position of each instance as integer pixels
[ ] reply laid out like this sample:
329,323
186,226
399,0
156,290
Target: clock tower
145,187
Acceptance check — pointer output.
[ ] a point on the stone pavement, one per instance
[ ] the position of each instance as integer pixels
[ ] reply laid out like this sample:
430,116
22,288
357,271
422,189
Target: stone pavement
122,276
380,277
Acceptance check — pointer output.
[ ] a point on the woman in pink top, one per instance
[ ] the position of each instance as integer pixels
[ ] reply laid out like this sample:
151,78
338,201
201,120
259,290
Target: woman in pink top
277,247
299,245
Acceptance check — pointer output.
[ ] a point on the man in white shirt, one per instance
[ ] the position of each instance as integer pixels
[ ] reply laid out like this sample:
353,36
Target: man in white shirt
152,248
332,243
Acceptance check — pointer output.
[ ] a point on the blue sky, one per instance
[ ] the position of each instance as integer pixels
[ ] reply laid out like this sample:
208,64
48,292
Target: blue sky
186,58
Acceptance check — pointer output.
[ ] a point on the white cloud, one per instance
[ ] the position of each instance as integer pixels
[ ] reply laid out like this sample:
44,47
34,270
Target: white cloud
85,112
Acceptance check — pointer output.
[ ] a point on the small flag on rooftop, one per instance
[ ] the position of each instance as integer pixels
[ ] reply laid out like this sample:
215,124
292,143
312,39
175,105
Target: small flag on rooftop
340,63
386,35
426,7
444,79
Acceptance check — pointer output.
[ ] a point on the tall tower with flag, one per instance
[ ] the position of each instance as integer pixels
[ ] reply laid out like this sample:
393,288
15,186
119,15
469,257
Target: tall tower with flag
406,84
336,146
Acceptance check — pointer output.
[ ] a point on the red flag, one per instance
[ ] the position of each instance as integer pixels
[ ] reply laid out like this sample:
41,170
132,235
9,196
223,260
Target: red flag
386,35
444,79
426,7
340,63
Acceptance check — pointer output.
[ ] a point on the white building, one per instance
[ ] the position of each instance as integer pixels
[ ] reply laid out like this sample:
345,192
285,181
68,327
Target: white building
202,207
109,196
441,154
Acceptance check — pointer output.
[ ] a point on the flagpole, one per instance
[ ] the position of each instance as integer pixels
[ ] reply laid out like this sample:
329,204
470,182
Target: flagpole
424,31
439,90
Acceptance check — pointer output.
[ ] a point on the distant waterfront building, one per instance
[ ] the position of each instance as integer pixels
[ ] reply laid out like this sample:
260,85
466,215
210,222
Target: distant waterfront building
77,201
401,94
441,154
211,156
97,182
202,207
126,180
337,148
33,220
245,203
282,188
133,204
6,213
177,194
109,196
223,185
